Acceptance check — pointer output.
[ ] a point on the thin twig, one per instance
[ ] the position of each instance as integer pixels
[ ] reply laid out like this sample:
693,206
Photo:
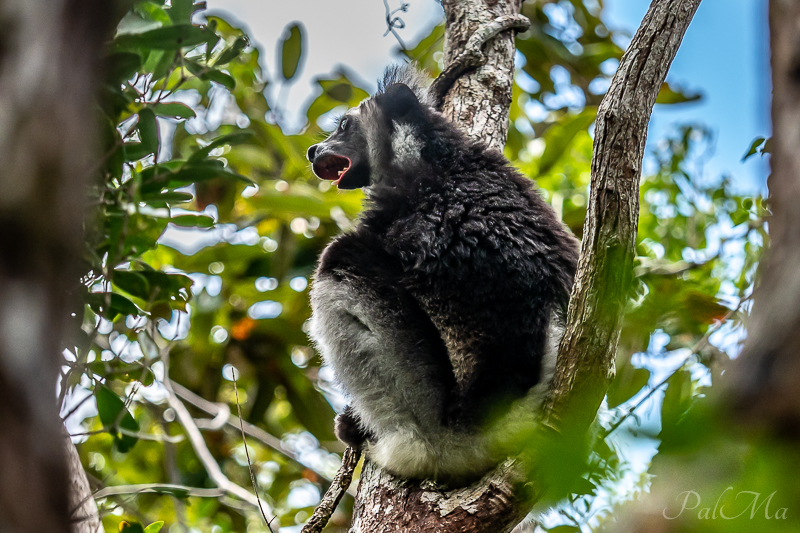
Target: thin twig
251,430
393,22
341,483
77,406
159,488
246,452
203,454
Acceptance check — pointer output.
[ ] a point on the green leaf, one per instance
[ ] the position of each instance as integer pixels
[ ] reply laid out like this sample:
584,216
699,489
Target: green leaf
164,199
334,93
174,110
111,408
231,53
137,234
757,143
559,136
130,527
135,23
672,94
153,285
626,384
121,67
193,221
207,170
152,11
181,11
196,172
677,398
167,62
232,138
207,73
136,151
155,527
291,50
148,130
166,38
119,305
341,92
220,77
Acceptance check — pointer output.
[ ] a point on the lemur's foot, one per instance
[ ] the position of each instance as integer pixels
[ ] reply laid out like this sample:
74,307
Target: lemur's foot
348,430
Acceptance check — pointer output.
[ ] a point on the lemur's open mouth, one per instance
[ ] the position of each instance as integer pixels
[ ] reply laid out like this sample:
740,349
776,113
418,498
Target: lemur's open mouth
331,167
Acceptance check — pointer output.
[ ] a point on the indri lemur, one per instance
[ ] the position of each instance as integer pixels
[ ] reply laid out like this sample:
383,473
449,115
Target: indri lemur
445,304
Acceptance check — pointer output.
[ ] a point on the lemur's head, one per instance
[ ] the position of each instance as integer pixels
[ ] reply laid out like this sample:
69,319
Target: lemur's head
384,131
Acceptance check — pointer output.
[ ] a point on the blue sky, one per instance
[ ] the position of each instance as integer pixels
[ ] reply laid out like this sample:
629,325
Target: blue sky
724,55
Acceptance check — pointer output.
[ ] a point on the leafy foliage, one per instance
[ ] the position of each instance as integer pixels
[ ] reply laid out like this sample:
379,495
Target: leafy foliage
186,274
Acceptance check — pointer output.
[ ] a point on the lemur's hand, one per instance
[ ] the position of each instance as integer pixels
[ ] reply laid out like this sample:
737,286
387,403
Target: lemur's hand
348,430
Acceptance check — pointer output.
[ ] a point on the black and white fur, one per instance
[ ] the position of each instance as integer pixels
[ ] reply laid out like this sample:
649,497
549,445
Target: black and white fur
441,311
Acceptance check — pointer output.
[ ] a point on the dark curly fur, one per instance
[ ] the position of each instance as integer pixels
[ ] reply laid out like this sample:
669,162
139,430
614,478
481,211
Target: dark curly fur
347,429
443,300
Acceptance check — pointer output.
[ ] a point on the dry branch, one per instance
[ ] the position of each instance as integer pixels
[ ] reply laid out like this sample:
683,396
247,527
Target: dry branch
222,416
339,487
204,455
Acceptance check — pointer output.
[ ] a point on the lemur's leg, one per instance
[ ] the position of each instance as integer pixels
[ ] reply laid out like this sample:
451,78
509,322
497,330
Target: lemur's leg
386,354
349,431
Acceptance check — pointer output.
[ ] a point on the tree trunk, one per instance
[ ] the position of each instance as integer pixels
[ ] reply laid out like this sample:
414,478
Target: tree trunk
768,371
83,509
48,69
479,103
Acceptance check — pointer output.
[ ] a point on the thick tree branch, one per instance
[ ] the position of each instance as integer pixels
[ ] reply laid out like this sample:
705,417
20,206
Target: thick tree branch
49,70
479,100
605,270
83,508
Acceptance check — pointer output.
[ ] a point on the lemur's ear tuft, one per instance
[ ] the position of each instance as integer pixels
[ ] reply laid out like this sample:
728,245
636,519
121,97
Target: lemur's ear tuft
399,101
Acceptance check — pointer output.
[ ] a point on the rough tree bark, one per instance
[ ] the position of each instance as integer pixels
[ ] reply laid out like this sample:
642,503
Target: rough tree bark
767,374
49,61
479,103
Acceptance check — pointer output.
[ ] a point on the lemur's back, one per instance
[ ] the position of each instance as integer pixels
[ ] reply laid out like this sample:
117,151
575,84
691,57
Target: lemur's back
443,306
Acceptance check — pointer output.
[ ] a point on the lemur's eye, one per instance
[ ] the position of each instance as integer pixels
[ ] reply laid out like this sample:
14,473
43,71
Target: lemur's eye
343,124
